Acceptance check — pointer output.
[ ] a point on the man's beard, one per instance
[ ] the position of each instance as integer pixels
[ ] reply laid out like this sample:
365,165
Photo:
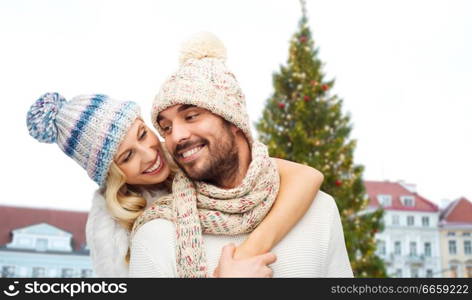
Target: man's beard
222,164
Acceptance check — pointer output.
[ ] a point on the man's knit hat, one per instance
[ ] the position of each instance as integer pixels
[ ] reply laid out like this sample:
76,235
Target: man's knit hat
88,128
204,80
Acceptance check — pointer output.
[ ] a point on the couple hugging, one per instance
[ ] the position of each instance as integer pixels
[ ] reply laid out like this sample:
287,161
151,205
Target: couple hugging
208,201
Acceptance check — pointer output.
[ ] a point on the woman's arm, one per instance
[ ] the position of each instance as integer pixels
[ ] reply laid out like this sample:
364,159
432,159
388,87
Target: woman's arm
299,185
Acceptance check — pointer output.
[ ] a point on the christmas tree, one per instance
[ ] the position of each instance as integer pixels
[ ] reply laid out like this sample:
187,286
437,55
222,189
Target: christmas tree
303,122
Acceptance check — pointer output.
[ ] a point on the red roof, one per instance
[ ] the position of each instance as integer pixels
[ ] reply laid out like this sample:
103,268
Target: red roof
12,218
396,190
458,211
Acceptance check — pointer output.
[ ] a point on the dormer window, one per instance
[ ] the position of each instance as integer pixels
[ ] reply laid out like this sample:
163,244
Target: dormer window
41,237
41,244
385,200
408,201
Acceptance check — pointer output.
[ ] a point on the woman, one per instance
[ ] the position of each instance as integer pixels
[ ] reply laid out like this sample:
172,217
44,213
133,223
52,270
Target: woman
93,130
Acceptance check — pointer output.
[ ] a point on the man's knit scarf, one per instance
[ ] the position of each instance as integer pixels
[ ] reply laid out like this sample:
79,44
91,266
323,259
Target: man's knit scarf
197,206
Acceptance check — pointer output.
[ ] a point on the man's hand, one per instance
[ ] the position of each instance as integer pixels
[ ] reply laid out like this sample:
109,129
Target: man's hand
255,266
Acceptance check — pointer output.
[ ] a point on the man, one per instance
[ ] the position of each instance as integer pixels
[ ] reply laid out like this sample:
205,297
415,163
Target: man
201,113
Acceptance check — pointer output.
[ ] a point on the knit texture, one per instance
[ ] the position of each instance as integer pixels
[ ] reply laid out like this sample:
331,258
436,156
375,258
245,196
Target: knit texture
315,247
198,206
204,80
88,128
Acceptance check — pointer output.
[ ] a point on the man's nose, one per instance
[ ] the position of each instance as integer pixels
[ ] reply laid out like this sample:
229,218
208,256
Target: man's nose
180,133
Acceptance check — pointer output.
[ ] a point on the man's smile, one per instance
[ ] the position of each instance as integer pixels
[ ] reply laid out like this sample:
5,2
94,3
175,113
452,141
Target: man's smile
190,153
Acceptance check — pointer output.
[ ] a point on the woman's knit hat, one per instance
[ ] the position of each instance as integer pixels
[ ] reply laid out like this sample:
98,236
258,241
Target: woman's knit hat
204,80
88,128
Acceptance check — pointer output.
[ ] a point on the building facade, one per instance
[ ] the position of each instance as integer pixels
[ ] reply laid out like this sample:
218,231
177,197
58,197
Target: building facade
455,229
43,243
409,243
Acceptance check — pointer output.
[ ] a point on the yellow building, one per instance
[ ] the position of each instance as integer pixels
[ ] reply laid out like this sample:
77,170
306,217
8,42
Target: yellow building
455,234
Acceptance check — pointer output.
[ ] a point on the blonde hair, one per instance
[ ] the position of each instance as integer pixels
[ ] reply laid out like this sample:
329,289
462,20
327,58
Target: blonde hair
125,201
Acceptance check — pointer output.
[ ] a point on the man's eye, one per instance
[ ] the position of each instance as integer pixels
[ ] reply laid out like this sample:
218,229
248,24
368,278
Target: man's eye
191,117
166,129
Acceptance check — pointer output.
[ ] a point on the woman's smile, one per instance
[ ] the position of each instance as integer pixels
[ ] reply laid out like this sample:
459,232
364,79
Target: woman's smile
156,167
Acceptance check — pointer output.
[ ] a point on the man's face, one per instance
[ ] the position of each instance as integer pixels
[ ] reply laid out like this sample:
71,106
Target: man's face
202,143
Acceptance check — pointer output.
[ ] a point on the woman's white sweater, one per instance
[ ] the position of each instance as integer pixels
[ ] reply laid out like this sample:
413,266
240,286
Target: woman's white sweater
315,247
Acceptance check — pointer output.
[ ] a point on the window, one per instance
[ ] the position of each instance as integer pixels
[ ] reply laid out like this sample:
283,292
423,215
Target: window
414,272
67,273
38,272
412,248
410,220
425,221
466,234
468,271
450,233
385,200
398,273
398,248
85,273
452,247
395,220
427,249
8,271
467,247
41,244
454,269
381,247
429,273
408,201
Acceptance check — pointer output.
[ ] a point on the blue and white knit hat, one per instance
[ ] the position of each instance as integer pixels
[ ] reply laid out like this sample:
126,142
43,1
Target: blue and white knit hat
88,128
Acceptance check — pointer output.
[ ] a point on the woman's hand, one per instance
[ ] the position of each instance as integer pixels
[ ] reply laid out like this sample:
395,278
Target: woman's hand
299,185
246,250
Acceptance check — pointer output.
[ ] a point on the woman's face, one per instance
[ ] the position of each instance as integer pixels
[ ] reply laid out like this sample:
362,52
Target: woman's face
140,156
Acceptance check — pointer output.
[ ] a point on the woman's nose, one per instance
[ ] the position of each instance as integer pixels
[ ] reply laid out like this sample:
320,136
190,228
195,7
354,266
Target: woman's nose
148,154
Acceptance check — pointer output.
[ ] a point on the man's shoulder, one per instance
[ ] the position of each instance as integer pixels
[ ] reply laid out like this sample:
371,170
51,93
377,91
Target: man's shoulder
319,217
325,202
156,229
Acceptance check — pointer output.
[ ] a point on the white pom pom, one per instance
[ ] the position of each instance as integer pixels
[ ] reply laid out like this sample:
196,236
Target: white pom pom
201,45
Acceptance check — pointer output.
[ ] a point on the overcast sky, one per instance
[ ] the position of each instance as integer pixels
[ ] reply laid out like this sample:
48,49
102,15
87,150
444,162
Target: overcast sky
403,68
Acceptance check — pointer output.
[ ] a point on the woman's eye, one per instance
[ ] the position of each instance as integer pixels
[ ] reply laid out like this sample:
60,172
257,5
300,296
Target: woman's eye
128,157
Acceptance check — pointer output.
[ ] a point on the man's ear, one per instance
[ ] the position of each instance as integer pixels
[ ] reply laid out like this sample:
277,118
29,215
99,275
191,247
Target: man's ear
235,129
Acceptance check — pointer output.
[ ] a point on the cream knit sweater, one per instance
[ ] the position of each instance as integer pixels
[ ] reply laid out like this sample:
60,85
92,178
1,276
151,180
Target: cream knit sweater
315,247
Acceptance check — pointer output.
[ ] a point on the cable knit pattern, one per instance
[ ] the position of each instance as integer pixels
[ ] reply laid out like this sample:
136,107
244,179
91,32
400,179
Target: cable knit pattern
214,210
315,247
